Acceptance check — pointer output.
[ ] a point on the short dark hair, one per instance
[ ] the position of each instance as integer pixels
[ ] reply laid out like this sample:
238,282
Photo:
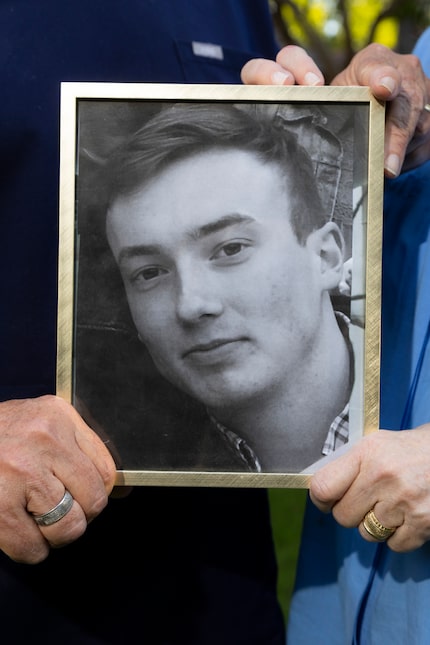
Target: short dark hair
182,130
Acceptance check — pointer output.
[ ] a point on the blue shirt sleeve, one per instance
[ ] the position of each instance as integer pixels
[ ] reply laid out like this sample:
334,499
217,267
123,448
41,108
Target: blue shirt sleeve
422,50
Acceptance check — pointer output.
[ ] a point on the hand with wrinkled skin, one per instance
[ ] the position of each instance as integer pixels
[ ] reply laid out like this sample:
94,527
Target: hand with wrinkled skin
45,447
386,471
400,80
396,78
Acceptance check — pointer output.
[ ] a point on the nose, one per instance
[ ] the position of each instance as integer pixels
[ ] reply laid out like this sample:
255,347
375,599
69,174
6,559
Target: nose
197,297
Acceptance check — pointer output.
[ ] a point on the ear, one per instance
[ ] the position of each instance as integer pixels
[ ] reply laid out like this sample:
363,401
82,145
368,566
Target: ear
329,245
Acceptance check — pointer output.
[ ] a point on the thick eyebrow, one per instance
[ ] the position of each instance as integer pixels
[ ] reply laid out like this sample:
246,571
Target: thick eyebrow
129,252
197,233
219,225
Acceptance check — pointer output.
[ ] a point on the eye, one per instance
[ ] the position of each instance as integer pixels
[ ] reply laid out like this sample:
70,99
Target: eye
230,249
151,272
147,277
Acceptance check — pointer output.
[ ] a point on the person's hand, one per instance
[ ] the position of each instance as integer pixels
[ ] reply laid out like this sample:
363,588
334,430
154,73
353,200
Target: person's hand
400,80
45,449
292,66
387,472
395,78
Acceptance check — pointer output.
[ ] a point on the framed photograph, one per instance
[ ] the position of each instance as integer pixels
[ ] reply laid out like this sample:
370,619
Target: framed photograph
219,277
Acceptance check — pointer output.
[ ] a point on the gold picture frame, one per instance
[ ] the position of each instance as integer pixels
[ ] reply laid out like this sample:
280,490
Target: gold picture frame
157,434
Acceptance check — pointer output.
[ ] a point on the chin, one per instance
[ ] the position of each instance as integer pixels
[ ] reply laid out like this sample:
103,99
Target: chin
228,400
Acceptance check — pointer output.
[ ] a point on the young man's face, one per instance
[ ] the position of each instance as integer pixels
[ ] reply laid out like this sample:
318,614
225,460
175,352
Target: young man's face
226,300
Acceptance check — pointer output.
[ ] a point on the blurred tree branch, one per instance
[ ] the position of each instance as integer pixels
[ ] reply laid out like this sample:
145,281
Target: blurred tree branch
293,25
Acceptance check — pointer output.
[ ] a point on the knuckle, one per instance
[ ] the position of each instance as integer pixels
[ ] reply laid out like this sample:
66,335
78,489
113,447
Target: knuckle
320,489
98,505
28,551
294,49
94,506
379,50
108,475
70,532
374,51
290,52
343,516
414,62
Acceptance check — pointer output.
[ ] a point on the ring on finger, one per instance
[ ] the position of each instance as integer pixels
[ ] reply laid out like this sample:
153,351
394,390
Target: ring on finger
56,513
375,529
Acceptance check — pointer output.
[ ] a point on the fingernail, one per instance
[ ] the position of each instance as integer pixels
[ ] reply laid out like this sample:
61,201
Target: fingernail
278,78
388,82
392,165
312,79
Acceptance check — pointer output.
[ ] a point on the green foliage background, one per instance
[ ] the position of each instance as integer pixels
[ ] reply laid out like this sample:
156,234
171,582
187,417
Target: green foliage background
287,506
332,31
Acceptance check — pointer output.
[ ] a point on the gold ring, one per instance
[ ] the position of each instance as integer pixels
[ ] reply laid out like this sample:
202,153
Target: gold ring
375,529
427,107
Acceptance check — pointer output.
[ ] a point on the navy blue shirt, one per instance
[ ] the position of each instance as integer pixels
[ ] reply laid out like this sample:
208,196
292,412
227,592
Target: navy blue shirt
163,566
45,42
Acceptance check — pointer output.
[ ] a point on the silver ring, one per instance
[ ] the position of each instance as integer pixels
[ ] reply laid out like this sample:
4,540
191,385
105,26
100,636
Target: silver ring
427,107
56,513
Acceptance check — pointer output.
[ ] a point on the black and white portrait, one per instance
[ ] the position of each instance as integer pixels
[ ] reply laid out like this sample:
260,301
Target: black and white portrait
219,284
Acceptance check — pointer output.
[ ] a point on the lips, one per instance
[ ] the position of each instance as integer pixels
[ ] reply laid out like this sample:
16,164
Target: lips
212,347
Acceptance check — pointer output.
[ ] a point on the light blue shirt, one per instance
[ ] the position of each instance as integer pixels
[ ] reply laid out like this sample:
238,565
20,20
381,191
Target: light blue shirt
349,590
422,50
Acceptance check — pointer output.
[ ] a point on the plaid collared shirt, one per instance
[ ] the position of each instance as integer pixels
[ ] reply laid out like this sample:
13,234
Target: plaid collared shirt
337,435
338,432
